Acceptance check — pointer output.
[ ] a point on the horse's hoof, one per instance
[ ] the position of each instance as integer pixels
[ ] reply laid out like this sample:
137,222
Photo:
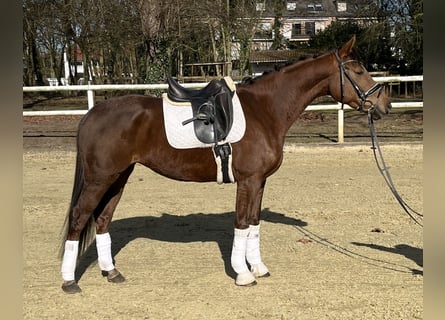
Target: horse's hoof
266,275
71,287
115,276
254,283
260,270
245,279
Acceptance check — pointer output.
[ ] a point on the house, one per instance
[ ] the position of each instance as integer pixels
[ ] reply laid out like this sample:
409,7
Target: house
299,21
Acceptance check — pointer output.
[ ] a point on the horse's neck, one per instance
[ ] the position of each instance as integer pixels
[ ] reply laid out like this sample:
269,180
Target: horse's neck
288,92
299,85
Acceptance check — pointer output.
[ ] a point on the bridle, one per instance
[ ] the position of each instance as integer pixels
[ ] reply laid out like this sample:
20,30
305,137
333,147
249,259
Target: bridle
363,95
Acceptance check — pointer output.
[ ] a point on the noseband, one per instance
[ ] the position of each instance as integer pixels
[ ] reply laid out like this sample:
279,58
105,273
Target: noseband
378,87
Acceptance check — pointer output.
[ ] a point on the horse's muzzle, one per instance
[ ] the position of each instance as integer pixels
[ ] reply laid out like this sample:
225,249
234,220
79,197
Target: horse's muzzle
379,111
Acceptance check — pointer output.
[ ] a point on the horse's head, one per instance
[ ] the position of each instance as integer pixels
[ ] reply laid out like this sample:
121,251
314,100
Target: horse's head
353,85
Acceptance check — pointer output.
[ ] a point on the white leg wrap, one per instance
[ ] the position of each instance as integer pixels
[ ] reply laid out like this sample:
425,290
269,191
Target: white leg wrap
238,258
104,258
253,245
253,255
69,259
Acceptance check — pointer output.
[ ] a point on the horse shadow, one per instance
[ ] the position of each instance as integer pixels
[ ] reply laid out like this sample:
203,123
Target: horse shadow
410,252
195,227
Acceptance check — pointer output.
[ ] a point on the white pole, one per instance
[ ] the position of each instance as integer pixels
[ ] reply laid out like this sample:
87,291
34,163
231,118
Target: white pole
340,125
90,95
66,66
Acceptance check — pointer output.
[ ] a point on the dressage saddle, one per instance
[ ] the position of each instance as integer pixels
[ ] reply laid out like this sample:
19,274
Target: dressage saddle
211,106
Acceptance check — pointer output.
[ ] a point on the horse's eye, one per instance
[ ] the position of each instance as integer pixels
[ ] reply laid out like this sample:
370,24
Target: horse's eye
359,72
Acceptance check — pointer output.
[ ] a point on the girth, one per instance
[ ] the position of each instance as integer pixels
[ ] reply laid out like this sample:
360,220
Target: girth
212,108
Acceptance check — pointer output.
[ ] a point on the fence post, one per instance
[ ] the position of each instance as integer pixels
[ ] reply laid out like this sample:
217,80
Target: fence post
90,95
340,125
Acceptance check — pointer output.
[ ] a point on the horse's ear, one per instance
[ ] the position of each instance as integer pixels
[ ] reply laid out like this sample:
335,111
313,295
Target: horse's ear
347,48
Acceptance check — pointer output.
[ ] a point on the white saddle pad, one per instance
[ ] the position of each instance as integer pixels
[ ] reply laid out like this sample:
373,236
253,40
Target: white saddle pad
183,136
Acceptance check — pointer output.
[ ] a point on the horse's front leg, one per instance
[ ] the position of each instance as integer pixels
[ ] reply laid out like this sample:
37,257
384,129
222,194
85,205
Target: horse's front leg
246,241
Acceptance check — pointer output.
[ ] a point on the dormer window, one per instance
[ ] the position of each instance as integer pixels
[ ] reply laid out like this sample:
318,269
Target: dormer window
341,6
291,6
314,7
260,6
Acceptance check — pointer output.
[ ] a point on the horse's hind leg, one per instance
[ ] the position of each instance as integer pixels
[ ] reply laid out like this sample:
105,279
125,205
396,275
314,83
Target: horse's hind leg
96,200
103,221
79,232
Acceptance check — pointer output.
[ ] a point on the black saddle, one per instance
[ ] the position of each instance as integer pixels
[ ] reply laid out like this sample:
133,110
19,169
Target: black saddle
212,108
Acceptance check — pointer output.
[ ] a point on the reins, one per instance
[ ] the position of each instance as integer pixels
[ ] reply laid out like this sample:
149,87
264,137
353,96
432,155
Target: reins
383,169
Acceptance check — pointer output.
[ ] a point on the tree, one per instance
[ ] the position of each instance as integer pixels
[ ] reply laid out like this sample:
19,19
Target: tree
278,39
32,74
406,23
146,40
41,41
389,35
336,34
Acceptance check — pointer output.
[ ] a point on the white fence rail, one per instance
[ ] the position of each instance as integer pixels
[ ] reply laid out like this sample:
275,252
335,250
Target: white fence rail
114,87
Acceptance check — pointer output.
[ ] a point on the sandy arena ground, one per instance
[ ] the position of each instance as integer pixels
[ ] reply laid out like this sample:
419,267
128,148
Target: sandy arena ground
337,243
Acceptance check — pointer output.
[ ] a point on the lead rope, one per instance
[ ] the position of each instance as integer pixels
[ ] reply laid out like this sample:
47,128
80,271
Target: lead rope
384,170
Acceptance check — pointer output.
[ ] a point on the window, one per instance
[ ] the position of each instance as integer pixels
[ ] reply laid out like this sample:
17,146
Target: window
291,6
260,6
303,30
296,30
341,6
264,31
309,28
314,7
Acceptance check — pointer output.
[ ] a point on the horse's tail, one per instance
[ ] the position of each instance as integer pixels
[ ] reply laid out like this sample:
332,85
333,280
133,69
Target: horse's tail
88,233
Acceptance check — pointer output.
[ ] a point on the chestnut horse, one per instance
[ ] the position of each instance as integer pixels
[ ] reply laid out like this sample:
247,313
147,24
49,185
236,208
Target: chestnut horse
120,132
